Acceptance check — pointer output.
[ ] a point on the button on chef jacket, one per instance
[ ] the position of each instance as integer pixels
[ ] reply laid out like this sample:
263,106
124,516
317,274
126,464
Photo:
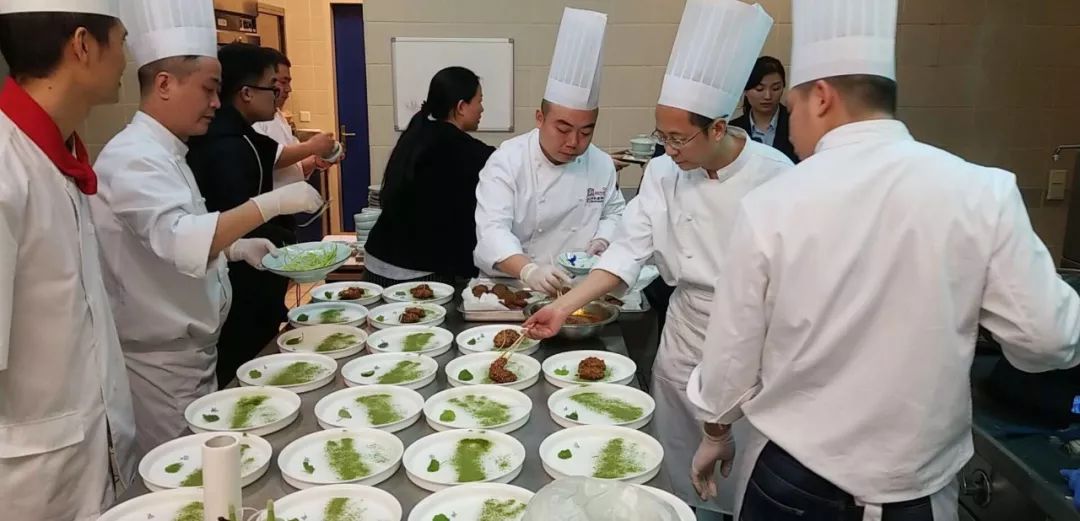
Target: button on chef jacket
525,204
844,325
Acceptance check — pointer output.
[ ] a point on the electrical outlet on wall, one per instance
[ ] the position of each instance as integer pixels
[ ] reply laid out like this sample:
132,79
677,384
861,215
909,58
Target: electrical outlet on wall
305,116
1055,189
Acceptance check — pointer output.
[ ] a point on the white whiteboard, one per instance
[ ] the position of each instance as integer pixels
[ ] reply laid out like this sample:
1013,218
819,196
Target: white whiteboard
416,60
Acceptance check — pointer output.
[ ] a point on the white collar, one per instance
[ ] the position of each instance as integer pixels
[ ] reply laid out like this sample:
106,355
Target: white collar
772,123
863,131
161,135
539,158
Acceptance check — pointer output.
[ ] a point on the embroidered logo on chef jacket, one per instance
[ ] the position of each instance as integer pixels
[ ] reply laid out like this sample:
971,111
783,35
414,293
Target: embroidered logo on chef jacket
595,195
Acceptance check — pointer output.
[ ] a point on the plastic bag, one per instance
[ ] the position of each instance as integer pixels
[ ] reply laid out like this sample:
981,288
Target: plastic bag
588,499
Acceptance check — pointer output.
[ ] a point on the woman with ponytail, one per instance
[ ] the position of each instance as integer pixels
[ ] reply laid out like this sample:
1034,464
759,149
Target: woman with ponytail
426,230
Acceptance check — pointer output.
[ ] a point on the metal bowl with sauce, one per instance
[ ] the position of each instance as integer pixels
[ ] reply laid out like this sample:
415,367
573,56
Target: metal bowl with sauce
592,317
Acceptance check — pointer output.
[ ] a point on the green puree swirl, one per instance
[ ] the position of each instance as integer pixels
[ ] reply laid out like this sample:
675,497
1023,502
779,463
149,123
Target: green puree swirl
338,509
488,413
296,373
417,341
614,408
245,407
345,460
617,459
496,510
404,371
380,409
191,512
468,459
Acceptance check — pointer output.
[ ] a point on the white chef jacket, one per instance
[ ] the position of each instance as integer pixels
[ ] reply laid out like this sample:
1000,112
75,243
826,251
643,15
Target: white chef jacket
845,322
279,130
61,371
525,204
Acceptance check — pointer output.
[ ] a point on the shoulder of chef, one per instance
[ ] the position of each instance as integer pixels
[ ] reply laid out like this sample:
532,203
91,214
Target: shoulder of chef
145,141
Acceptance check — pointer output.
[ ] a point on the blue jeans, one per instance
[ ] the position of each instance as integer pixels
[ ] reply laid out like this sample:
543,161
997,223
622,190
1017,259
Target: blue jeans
782,489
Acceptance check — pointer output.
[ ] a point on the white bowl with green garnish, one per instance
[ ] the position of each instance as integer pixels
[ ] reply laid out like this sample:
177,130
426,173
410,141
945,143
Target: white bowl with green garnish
308,261
404,292
455,457
474,501
256,410
181,503
297,372
335,341
602,452
363,293
357,455
385,407
339,313
178,463
561,370
421,340
601,404
341,502
394,315
473,369
490,407
408,370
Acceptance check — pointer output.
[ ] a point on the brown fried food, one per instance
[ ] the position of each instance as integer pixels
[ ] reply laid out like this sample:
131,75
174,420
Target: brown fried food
592,369
352,293
412,315
423,292
499,288
514,302
499,374
506,338
523,295
479,290
581,318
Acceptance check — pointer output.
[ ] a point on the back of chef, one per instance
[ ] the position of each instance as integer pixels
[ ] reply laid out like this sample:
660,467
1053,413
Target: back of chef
550,190
66,430
844,325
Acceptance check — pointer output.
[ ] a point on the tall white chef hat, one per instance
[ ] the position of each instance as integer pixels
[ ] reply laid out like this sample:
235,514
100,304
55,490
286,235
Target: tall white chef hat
574,78
162,29
715,49
840,37
104,7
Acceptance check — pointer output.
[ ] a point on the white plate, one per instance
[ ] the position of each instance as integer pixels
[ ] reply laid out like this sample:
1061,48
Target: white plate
587,442
329,292
351,314
679,506
562,404
621,369
308,339
392,340
466,502
164,505
371,369
500,464
379,451
481,339
391,313
183,456
525,367
310,504
400,293
457,403
263,370
341,408
272,415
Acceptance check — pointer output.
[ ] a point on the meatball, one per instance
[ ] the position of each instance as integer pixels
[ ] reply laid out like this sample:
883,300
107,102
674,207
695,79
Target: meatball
352,293
499,374
592,369
422,292
523,295
506,338
514,302
479,290
412,315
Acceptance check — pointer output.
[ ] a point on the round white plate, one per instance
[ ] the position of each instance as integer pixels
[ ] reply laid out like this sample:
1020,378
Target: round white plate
377,369
586,443
393,340
329,292
215,411
390,315
621,370
304,462
165,505
263,371
679,506
400,293
601,404
309,339
481,339
525,367
313,314
467,502
341,408
360,502
499,464
450,409
170,464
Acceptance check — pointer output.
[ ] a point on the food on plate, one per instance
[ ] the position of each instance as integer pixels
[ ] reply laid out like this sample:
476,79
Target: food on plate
468,459
614,408
405,371
522,294
345,460
498,372
351,293
618,459
479,290
500,289
335,342
296,373
506,338
413,315
309,259
565,454
487,412
302,317
465,375
331,316
514,302
572,416
422,292
308,467
381,409
582,317
613,301
447,416
416,341
343,509
592,369
245,409
433,465
191,512
496,509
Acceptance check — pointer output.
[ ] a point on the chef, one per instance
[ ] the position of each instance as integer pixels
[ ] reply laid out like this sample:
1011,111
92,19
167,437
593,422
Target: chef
66,428
844,323
550,191
685,210
165,255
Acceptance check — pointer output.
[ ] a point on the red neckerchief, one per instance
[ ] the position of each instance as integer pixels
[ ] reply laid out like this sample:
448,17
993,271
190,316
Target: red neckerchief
42,130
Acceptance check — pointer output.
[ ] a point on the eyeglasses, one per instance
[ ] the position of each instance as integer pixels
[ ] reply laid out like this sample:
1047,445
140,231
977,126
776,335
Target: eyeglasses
675,143
275,90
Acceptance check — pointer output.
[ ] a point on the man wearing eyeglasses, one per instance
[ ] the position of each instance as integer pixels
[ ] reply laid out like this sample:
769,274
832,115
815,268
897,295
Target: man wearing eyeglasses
684,213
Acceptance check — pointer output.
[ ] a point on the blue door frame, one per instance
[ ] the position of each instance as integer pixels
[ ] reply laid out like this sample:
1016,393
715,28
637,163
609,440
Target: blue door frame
351,68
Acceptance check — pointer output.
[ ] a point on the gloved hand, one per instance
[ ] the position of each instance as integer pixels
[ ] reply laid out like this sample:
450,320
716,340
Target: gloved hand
251,251
1073,476
597,247
289,199
546,278
712,450
322,144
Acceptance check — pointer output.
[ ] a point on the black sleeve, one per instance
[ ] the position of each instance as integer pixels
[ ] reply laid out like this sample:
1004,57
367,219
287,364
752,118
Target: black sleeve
266,149
222,169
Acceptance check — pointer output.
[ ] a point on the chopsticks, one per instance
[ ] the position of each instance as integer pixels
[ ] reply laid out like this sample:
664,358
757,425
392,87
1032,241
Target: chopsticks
514,347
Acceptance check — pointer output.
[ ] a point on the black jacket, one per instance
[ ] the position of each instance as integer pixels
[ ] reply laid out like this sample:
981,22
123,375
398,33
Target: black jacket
781,142
429,202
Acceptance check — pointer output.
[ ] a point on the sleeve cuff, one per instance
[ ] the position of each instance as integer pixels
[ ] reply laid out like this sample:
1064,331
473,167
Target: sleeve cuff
193,237
494,252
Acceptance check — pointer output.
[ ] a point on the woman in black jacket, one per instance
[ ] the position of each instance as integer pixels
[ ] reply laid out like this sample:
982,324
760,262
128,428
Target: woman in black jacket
427,230
764,118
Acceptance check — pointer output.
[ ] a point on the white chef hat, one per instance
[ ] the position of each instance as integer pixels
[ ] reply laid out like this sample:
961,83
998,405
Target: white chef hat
103,7
162,29
574,78
840,37
714,52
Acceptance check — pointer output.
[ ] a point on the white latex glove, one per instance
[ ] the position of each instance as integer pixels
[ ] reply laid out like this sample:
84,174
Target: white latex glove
251,251
712,450
596,247
546,278
289,199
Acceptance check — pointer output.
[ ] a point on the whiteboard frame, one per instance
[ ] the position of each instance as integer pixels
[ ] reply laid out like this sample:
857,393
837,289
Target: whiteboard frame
513,72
